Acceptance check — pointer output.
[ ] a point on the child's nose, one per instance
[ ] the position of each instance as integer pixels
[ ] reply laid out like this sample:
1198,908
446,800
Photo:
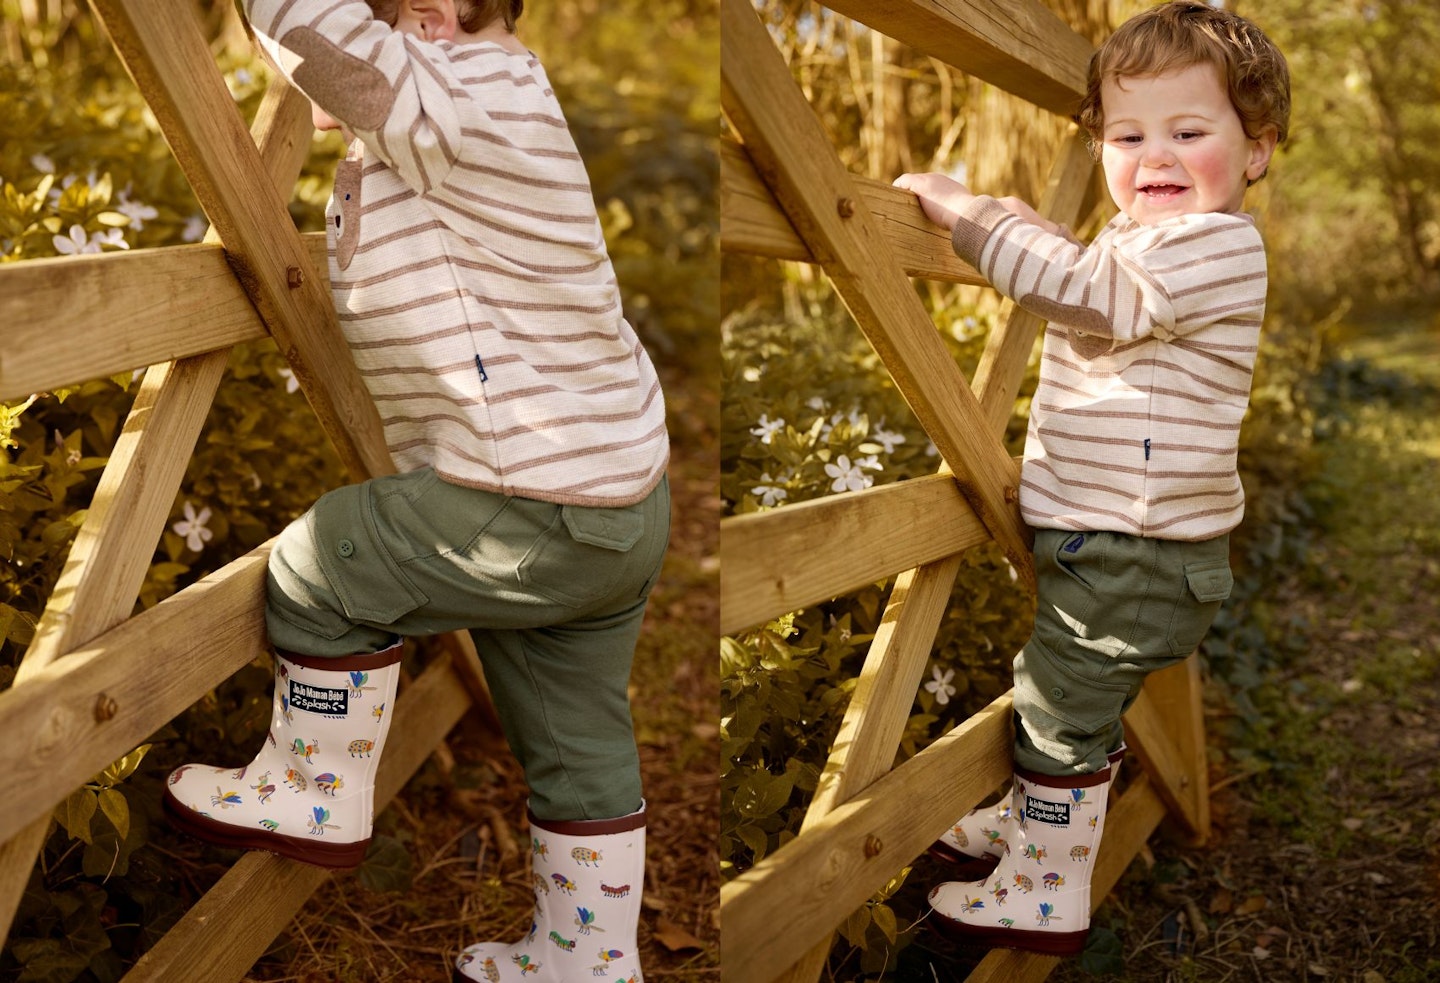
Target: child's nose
1156,153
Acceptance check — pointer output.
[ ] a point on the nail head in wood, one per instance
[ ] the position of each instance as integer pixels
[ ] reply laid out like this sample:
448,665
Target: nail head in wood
294,276
846,207
105,708
873,846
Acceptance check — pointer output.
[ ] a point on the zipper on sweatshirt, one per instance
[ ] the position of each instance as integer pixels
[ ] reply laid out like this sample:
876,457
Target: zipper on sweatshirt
485,378
1147,439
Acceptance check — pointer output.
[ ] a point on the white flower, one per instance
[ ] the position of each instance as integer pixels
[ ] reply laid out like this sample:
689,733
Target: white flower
138,211
110,237
931,450
940,685
75,243
42,163
770,493
292,384
243,76
767,428
887,438
848,477
195,228
192,527
870,461
816,403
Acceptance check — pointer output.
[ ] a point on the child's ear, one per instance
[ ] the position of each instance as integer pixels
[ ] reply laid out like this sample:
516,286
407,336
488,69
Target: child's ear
436,18
1262,149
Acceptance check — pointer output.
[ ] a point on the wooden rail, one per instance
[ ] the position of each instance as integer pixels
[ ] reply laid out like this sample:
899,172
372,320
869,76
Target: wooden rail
785,195
95,681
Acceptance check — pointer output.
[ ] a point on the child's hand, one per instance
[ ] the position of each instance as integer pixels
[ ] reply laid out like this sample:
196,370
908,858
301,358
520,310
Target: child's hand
941,197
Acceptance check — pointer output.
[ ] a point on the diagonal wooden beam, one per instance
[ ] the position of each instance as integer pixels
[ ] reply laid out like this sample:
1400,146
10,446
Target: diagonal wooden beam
1020,46
790,150
162,48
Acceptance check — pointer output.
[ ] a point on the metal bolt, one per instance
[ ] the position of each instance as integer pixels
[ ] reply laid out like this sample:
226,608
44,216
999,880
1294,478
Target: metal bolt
873,846
846,207
105,708
294,276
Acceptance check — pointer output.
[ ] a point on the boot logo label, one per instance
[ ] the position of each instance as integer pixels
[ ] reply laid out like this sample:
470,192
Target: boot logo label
1049,813
331,701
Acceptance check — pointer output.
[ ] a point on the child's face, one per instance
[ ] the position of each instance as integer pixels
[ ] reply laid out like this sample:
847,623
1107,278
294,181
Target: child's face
1174,145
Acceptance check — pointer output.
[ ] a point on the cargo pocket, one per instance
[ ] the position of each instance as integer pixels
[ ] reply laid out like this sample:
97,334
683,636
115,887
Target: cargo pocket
583,554
1078,560
371,587
1207,584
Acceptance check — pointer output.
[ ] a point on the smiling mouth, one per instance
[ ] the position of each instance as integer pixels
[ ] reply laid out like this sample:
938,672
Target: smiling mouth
1162,190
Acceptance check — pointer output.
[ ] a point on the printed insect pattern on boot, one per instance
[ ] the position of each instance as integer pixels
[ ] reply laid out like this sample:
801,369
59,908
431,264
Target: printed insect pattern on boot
224,800
329,783
175,775
239,774
586,921
378,712
295,780
567,944
1081,852
269,824
540,886
301,749
999,893
1034,851
1008,922
1046,914
1053,882
610,955
586,858
320,821
491,971
539,847
958,832
563,883
357,683
360,749
285,710
1078,796
265,788
622,891
1025,884
525,964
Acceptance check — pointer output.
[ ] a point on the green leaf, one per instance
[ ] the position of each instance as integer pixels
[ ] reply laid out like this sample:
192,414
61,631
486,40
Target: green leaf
1104,954
762,794
76,812
885,921
854,926
121,768
116,809
387,866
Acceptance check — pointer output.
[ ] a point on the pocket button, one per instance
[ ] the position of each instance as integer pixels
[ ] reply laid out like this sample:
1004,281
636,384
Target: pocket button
1057,693
345,548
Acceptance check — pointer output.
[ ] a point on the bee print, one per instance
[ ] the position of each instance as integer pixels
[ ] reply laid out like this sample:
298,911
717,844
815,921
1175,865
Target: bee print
329,783
224,800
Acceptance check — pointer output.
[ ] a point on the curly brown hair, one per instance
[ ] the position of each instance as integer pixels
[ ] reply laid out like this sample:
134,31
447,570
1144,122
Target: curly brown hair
1181,33
472,15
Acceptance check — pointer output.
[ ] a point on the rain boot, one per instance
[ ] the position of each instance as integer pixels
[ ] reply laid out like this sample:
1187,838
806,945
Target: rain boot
310,793
1038,896
973,846
588,878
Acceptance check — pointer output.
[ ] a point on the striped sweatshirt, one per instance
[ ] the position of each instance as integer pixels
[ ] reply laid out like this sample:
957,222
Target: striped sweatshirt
467,264
1145,370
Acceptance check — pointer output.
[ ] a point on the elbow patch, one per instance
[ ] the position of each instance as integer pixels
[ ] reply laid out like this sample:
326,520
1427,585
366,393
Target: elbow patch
349,88
1091,334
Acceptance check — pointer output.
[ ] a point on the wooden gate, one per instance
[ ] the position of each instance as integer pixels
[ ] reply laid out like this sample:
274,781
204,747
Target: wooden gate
96,682
785,194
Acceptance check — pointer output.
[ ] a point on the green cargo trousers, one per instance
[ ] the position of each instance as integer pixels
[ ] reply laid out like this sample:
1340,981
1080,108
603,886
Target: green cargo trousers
552,594
1111,610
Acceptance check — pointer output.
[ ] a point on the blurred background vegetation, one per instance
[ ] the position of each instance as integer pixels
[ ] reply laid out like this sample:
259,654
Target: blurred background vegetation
83,168
1348,212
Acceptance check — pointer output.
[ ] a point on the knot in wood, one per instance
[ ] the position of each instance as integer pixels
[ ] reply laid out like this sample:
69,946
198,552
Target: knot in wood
294,277
873,846
845,206
105,708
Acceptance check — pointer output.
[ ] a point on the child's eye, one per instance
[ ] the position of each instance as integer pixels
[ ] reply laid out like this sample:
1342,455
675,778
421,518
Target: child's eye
1188,135
1128,140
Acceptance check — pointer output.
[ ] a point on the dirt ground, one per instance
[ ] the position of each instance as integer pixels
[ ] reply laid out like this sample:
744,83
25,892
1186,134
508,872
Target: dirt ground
463,826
